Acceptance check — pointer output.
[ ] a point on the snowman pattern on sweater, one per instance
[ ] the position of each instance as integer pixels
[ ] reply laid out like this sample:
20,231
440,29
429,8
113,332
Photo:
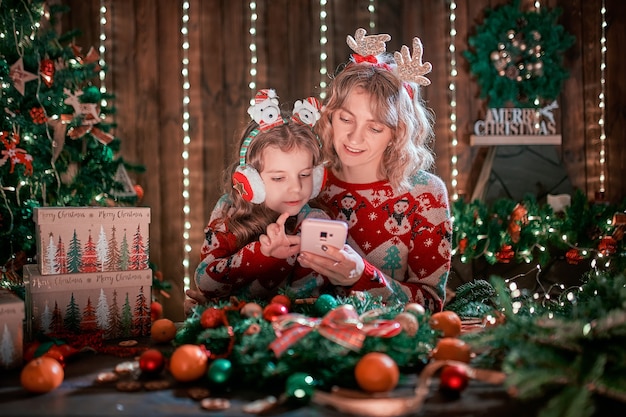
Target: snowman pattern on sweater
403,237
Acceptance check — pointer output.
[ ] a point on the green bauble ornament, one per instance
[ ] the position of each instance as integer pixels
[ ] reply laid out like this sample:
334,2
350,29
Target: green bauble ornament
300,387
219,371
91,94
324,304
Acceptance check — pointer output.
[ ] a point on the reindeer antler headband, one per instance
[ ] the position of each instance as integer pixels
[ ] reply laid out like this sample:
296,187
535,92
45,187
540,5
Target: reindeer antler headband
409,68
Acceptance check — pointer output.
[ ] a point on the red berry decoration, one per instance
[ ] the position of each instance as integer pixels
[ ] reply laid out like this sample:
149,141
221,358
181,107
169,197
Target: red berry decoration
453,379
151,361
211,318
273,311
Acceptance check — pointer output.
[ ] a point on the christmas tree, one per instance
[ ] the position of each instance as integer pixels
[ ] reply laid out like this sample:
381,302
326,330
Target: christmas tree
56,148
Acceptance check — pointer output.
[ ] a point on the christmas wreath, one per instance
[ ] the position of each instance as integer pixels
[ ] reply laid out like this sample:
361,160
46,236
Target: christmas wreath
517,56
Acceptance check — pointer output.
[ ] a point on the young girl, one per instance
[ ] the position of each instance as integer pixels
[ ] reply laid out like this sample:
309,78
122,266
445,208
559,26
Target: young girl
376,131
250,247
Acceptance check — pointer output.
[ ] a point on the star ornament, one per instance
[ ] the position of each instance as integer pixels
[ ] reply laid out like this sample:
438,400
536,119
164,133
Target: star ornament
19,76
240,187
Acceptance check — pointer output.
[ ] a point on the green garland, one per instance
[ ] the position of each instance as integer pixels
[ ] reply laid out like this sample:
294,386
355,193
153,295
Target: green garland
566,350
517,57
522,232
254,364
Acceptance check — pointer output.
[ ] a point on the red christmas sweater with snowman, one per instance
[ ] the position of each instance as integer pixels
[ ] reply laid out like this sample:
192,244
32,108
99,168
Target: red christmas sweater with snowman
228,270
404,239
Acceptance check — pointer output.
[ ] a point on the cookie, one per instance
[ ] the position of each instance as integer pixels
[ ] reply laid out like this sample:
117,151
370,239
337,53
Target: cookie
128,343
198,393
156,385
215,404
106,377
128,386
260,406
127,367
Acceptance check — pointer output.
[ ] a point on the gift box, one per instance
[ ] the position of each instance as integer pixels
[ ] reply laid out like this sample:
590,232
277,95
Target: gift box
91,239
11,329
109,304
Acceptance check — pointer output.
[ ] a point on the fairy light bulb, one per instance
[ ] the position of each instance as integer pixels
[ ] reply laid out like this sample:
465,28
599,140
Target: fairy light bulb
453,120
184,30
103,21
371,8
253,51
323,50
602,97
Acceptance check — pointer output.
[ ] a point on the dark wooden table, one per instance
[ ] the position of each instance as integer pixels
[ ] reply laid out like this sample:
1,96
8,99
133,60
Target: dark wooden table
81,395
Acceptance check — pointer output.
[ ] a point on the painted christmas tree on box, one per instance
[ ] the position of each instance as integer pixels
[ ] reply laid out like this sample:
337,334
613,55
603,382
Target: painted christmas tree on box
92,239
113,304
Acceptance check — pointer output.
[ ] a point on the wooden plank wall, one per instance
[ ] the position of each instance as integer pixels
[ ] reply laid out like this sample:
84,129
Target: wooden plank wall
144,56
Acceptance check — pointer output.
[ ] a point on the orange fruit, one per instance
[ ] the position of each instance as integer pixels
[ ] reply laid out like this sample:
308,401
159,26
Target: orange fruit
452,349
163,330
41,375
188,363
376,372
446,321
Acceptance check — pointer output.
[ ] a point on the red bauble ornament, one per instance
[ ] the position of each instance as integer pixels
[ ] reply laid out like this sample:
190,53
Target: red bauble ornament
274,310
211,318
151,362
139,191
282,299
156,310
453,379
46,69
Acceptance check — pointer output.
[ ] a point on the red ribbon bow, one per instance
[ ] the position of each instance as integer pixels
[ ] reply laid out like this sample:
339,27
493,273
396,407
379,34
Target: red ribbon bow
368,58
341,325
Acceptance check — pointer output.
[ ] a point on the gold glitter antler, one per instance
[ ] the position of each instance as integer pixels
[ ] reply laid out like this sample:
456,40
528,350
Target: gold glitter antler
412,69
367,45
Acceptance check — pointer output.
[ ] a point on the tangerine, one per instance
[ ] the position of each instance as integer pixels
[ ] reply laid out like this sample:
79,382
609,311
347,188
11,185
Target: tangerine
452,349
446,321
188,363
41,375
376,372
163,330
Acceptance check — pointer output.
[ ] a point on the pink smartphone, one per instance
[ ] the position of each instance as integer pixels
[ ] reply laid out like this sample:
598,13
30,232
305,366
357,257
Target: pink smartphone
316,233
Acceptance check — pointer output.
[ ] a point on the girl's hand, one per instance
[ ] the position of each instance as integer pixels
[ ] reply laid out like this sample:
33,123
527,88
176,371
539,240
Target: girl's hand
345,268
276,243
194,297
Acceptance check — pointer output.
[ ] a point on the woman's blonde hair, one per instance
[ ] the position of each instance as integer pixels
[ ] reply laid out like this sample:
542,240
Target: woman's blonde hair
396,104
247,221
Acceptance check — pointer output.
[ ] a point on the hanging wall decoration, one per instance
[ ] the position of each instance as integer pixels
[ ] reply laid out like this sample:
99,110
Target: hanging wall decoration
516,57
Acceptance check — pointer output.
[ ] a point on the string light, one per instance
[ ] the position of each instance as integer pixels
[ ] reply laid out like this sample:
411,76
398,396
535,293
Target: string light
186,141
452,87
103,22
602,98
323,50
371,8
253,53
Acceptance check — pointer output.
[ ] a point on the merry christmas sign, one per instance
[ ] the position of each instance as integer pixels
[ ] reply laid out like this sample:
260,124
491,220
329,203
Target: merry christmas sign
517,126
92,239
